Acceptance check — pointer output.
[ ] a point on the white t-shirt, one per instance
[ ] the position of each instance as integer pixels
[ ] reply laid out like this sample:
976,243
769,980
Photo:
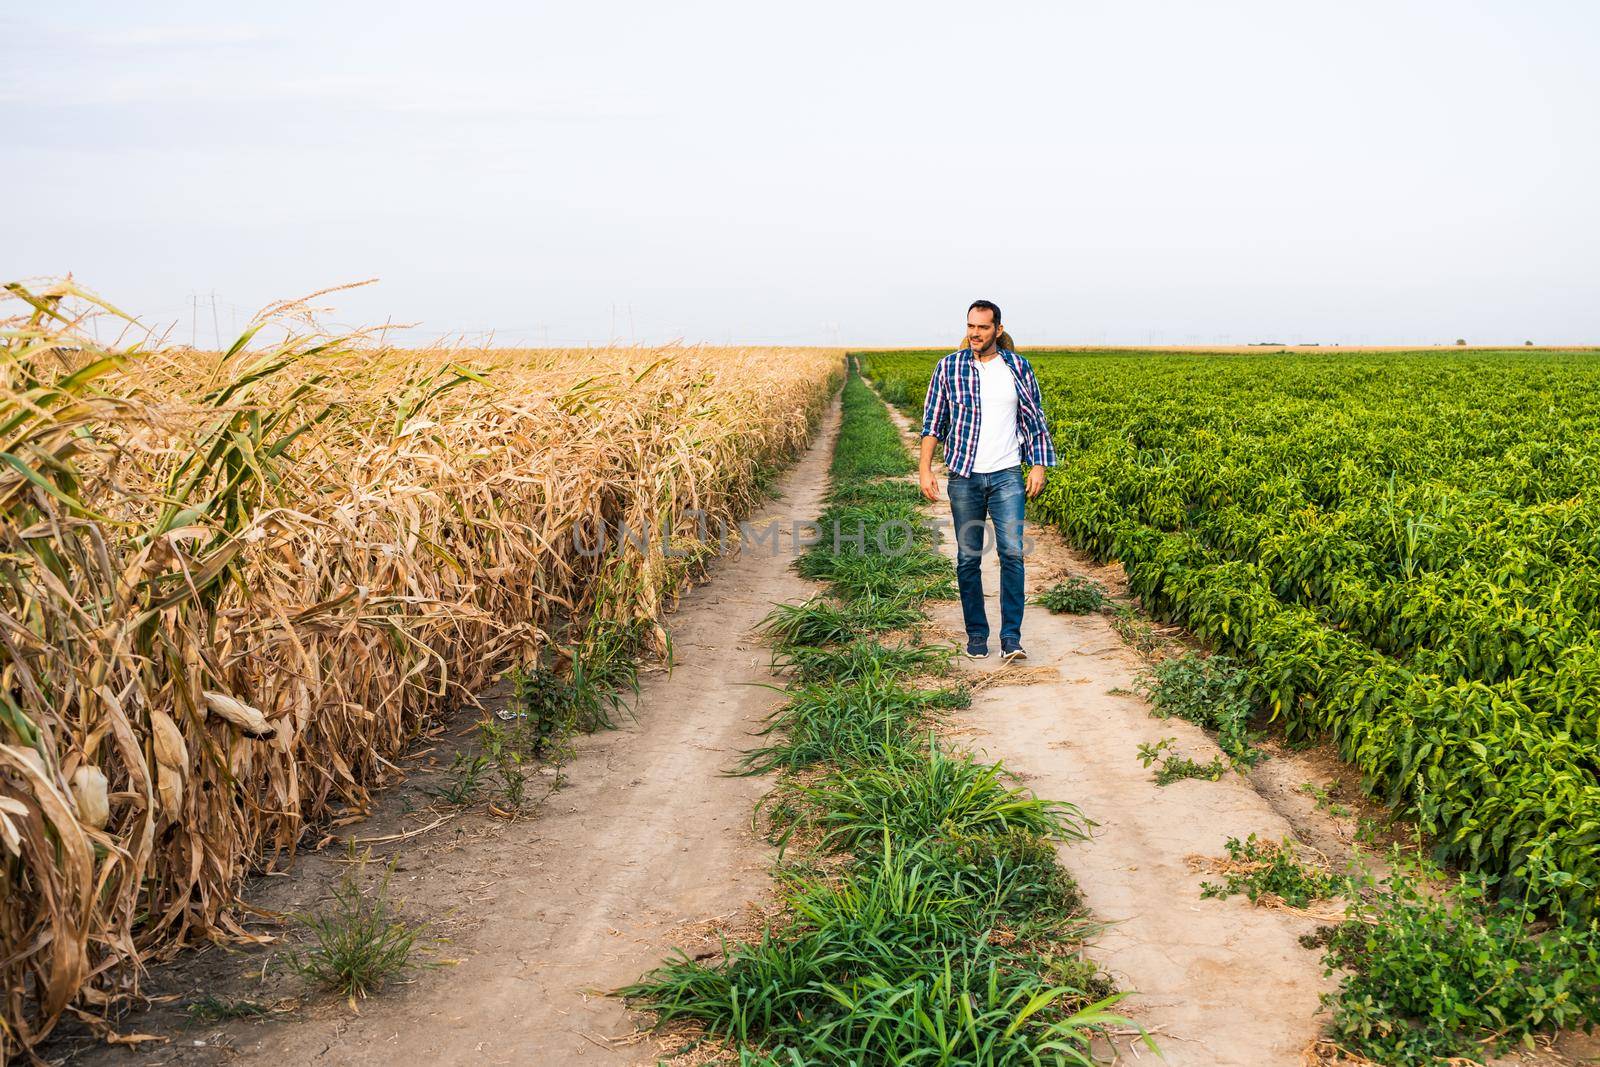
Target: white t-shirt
998,446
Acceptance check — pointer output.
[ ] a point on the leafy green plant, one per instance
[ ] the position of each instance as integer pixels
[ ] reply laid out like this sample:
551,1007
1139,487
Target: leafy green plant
463,782
1209,691
1175,768
360,941
544,704
1076,595
1428,974
214,1008
1272,869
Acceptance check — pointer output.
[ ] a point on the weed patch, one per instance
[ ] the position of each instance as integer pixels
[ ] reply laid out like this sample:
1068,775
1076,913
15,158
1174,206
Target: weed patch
1271,872
1459,972
1075,596
1176,768
1209,691
211,1008
359,942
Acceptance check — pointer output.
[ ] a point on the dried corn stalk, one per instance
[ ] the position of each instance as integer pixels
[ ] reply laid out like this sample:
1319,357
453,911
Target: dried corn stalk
233,584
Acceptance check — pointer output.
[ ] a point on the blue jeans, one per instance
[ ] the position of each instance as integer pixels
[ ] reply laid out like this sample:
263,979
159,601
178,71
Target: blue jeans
998,495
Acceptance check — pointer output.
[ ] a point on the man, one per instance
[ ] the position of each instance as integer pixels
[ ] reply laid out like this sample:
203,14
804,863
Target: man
984,404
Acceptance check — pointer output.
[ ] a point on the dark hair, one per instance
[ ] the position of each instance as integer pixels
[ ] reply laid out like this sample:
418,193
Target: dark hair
987,305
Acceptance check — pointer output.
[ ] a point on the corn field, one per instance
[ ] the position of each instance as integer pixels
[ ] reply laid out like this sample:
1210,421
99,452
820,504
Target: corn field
234,586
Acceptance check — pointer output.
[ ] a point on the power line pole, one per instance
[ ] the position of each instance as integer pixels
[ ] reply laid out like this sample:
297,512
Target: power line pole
216,327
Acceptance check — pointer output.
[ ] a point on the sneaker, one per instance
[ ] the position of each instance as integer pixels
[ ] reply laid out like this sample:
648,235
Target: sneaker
1010,650
977,650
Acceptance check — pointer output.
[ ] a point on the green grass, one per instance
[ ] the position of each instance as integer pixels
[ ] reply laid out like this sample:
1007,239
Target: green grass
869,444
912,578
864,657
855,721
891,492
359,942
917,794
890,965
823,621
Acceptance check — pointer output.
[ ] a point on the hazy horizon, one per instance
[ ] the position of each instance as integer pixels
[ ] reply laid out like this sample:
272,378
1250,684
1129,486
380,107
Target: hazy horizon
1143,173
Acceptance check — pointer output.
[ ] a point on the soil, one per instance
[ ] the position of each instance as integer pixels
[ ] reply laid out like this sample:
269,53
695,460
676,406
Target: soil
648,846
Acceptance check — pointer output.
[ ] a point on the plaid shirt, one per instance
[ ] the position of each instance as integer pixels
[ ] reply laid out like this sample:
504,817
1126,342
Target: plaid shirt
952,409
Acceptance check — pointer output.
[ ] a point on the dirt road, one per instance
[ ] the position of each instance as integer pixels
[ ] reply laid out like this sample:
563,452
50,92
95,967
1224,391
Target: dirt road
595,890
1220,983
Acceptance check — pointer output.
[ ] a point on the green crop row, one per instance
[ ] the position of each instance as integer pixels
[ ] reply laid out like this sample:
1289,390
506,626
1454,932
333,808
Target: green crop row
1405,546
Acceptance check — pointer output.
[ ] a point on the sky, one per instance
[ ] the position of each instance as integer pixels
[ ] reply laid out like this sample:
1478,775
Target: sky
819,173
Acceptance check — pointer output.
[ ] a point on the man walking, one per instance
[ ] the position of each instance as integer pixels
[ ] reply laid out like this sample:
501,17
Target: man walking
984,404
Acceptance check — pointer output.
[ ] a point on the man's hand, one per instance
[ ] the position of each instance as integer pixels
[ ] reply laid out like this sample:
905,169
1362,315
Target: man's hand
1035,480
930,485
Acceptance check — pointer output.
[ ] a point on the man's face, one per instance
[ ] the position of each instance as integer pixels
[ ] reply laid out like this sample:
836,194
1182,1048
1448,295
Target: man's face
981,329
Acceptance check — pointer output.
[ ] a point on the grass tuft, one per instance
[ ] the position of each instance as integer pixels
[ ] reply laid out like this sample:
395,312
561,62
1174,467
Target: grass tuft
360,942
915,795
821,621
864,657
